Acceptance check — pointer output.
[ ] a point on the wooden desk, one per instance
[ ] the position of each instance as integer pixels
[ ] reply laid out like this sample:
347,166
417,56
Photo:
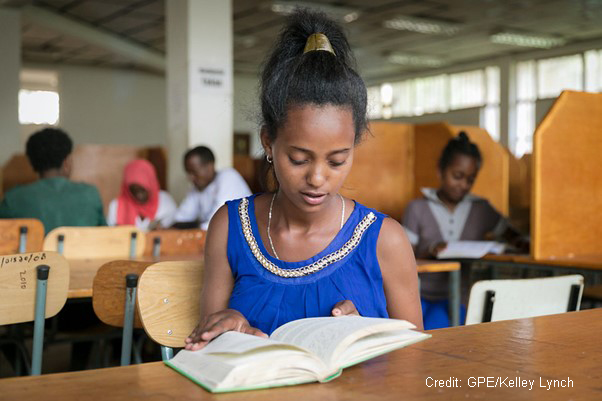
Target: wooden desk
557,347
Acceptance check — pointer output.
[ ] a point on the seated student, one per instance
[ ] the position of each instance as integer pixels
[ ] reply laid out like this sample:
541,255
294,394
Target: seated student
305,250
141,202
450,213
53,199
211,188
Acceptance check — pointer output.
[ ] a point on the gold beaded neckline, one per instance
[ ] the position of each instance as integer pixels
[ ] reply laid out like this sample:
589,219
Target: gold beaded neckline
342,252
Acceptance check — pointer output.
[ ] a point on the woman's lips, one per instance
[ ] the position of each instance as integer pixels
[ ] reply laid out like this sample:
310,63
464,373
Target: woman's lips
313,198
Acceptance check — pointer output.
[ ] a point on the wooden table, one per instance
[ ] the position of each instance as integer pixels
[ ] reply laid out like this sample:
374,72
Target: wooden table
557,347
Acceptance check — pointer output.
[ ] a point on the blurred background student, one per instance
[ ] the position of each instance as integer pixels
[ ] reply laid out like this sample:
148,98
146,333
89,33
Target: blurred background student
53,199
211,189
451,213
141,202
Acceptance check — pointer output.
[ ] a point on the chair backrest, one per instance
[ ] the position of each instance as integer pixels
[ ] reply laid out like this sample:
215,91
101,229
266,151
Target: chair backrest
12,231
174,242
493,300
109,289
95,242
169,296
18,278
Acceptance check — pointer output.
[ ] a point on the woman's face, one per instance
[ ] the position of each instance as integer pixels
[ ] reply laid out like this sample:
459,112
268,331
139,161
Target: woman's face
313,154
139,193
458,177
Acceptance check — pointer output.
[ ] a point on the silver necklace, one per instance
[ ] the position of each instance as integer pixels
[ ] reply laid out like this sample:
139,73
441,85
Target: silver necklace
270,221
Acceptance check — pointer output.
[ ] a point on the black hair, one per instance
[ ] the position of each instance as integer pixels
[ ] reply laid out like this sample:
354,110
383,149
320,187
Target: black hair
203,152
291,78
47,149
459,145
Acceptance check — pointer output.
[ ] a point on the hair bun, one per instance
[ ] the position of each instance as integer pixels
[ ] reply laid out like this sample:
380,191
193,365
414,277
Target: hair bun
463,137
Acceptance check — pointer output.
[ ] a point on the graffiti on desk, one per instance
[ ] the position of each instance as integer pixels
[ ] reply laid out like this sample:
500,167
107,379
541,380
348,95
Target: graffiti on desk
26,258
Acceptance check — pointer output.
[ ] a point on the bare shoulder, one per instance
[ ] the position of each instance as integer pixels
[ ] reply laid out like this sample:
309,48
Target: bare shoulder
392,235
393,248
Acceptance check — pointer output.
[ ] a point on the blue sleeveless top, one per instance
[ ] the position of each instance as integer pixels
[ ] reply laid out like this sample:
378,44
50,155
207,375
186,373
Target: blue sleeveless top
270,292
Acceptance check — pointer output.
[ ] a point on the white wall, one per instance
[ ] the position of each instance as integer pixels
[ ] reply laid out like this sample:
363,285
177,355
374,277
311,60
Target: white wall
247,113
455,117
109,106
10,64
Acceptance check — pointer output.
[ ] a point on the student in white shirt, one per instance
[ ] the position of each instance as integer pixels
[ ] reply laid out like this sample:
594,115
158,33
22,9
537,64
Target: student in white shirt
211,189
141,202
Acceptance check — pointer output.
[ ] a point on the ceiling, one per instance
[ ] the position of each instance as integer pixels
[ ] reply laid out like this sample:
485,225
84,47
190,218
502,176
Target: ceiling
141,23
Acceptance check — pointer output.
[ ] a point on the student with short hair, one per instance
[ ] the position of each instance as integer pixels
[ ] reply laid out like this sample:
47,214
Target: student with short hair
450,213
211,188
53,199
304,250
141,201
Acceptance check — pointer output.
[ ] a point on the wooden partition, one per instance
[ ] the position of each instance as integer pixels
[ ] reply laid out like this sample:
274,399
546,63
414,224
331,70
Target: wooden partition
519,194
382,172
10,234
493,180
99,165
566,217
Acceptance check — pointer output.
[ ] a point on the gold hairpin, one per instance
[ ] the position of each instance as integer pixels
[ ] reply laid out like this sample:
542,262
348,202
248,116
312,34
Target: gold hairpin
318,41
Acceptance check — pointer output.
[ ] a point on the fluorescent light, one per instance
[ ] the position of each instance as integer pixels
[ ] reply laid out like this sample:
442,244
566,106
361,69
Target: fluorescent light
340,13
527,40
422,25
415,60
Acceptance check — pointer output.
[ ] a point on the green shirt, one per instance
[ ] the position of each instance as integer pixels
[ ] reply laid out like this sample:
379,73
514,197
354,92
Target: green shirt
55,201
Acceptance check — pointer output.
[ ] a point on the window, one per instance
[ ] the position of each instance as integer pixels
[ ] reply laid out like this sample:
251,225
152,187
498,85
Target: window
593,70
375,110
467,89
430,95
557,74
38,97
38,107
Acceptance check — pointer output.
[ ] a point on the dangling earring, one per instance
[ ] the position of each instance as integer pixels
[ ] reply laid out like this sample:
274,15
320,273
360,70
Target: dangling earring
268,158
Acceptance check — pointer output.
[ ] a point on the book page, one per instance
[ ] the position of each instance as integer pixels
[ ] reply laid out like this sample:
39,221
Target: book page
470,249
235,361
325,336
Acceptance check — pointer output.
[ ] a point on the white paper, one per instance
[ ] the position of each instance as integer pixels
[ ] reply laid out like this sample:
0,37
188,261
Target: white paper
470,249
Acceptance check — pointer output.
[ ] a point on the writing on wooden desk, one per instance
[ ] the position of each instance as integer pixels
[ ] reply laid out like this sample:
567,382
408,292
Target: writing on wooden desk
23,277
32,257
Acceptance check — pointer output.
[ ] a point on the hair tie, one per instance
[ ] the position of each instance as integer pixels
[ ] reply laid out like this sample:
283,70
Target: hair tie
318,41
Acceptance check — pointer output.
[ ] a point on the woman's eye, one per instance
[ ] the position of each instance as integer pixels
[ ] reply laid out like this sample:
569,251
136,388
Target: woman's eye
336,163
297,162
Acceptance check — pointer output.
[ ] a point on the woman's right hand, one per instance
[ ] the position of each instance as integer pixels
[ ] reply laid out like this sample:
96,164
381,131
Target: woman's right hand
216,324
434,249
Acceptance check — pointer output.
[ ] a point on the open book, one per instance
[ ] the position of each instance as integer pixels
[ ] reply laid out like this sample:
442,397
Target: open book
301,351
470,249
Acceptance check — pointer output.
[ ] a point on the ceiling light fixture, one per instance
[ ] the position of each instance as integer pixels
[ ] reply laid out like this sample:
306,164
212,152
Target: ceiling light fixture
422,25
340,13
527,40
415,60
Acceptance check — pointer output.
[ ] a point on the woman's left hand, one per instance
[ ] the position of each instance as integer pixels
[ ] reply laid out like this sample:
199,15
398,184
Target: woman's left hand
344,308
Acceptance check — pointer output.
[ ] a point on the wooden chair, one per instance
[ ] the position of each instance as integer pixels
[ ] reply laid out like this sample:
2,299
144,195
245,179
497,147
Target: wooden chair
175,242
169,302
33,287
21,235
114,300
96,242
493,300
